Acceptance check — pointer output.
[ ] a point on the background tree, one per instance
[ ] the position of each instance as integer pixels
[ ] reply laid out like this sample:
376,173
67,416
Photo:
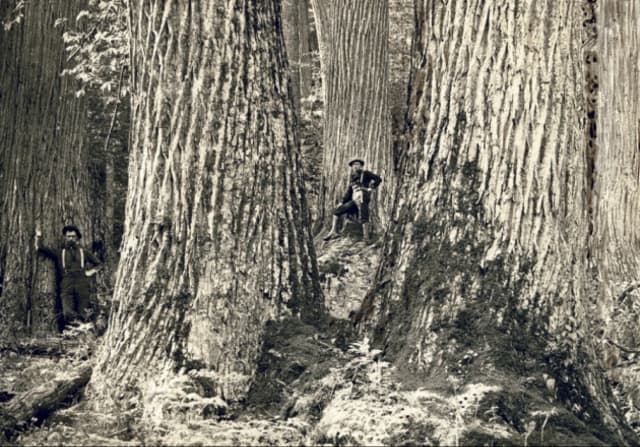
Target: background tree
304,71
401,30
217,236
485,275
353,40
296,30
614,86
44,158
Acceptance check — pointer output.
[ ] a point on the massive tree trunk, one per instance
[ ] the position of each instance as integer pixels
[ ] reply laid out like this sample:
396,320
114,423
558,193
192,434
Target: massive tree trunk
485,278
44,177
354,61
616,234
217,237
295,21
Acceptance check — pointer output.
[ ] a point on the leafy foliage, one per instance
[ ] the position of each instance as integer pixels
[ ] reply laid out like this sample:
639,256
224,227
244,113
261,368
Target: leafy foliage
97,47
361,403
15,16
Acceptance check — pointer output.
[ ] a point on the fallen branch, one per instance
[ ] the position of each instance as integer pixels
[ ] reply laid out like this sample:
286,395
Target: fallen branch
42,346
39,403
622,348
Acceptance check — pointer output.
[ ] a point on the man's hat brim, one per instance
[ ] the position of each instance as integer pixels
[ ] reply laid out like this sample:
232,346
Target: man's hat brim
72,228
356,160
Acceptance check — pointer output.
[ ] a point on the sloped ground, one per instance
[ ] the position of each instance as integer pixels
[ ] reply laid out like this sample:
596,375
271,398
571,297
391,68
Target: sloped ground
347,268
316,386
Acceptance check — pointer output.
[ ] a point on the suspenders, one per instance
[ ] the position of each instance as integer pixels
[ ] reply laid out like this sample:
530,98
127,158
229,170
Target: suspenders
64,252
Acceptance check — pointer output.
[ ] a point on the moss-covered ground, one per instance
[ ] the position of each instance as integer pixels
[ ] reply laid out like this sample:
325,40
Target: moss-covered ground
327,385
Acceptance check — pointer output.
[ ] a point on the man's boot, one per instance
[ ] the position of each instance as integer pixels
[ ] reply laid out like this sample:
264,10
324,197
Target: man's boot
334,229
365,232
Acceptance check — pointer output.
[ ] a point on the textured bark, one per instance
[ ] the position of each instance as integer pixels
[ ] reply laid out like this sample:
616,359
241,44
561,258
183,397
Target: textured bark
43,161
216,238
295,21
616,234
354,61
484,277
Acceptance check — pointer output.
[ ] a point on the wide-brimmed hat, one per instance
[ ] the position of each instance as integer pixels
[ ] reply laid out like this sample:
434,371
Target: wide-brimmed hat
72,228
356,160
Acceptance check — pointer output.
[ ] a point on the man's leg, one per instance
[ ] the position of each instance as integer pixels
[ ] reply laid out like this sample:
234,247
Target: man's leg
345,208
364,218
67,297
82,297
334,228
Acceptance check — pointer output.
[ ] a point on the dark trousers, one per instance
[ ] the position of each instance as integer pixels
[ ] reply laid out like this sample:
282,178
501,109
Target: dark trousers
351,208
74,294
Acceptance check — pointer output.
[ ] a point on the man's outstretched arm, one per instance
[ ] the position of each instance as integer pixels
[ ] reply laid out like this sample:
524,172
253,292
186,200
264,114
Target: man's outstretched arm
49,253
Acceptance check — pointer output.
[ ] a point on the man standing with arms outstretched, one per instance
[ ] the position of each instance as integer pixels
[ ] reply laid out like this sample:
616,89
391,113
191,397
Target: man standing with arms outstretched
71,262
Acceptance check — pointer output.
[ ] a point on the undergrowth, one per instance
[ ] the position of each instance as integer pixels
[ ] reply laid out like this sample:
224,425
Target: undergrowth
361,403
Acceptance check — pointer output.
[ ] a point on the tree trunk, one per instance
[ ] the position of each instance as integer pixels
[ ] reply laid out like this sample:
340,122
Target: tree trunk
484,277
216,238
43,161
615,90
295,21
354,61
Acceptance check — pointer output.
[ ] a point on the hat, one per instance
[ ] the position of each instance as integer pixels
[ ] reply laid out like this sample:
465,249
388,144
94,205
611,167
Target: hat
72,228
356,160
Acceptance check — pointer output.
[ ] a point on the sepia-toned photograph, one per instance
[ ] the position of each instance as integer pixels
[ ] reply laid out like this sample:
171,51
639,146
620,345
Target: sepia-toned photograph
319,223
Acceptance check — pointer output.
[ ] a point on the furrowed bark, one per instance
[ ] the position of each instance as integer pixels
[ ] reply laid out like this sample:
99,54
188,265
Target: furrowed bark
217,237
485,275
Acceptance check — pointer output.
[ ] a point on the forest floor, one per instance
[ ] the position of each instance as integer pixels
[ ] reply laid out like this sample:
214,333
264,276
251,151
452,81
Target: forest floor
301,369
314,386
